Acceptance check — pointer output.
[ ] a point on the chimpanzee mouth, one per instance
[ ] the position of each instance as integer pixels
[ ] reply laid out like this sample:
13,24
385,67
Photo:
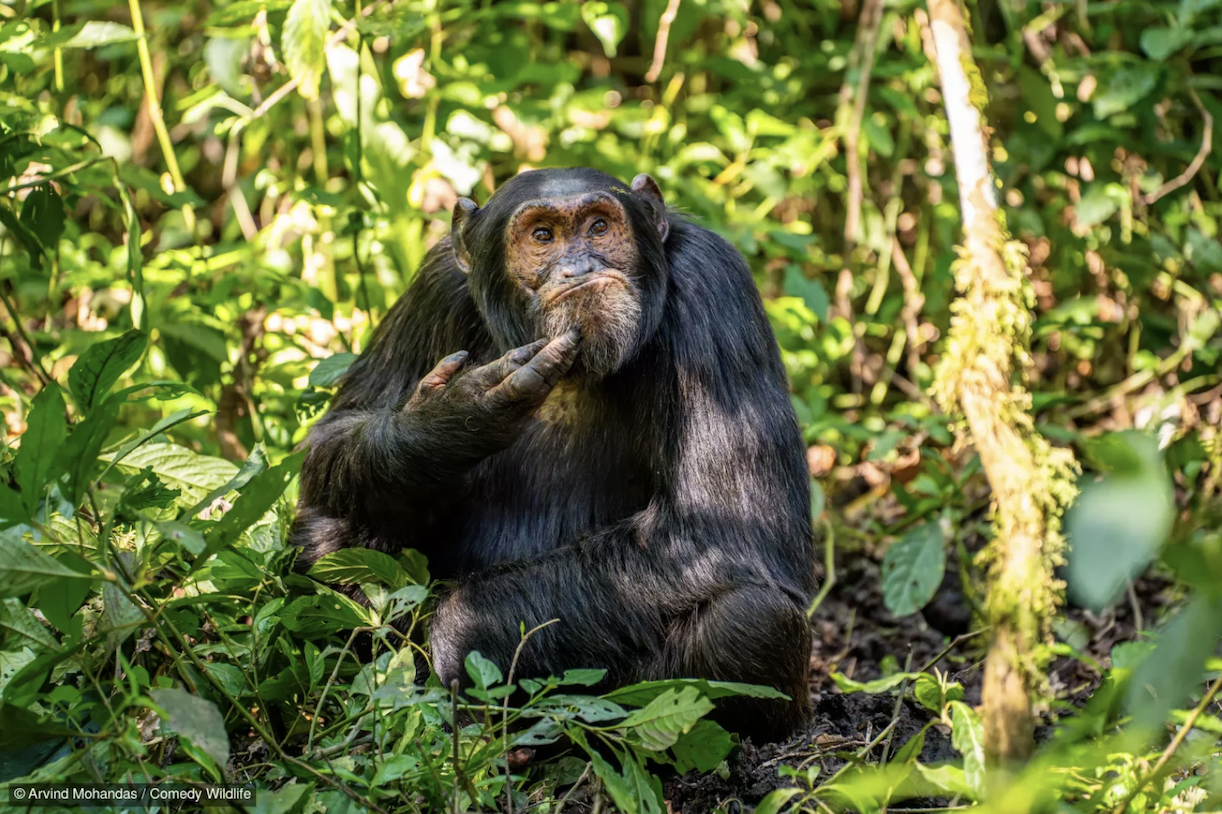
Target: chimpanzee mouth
595,282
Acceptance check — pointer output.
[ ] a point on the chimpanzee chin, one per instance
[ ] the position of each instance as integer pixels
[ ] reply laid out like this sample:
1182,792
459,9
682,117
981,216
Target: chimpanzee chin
578,412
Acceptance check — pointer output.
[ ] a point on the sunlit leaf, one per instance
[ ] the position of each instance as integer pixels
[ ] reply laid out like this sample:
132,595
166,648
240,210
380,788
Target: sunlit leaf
304,42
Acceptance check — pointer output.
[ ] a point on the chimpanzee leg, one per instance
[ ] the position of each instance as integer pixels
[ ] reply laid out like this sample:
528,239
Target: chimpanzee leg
752,635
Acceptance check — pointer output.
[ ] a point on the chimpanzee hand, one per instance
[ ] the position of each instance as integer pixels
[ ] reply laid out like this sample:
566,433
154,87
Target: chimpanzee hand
485,408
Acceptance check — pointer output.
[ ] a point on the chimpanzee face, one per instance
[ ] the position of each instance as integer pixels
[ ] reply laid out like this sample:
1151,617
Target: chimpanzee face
577,250
577,262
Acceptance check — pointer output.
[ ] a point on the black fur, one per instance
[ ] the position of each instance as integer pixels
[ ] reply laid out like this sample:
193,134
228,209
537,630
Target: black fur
667,527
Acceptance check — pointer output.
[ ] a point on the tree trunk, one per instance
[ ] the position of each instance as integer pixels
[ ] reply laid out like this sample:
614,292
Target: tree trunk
981,376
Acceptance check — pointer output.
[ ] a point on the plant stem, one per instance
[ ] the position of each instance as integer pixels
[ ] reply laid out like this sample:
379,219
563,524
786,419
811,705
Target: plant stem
163,134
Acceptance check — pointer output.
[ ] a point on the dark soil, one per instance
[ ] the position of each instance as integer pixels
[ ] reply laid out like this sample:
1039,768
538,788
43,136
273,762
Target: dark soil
856,635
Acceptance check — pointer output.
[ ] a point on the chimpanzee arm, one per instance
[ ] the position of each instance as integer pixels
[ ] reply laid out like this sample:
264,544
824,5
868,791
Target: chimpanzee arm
724,548
368,454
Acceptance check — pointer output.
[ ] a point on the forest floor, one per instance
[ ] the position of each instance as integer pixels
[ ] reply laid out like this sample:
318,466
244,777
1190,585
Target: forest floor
855,635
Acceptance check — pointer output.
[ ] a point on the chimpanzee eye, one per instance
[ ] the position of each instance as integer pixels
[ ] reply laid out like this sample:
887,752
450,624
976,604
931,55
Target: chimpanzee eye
542,234
598,227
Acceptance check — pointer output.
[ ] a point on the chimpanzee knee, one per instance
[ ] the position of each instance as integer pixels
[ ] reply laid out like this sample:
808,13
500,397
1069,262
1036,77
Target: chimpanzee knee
754,635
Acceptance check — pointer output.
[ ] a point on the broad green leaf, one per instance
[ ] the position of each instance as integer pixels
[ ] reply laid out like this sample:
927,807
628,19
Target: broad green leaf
879,136
196,720
1177,664
37,462
99,367
967,736
80,453
1160,43
913,568
180,468
352,566
255,464
43,214
638,695
1118,524
23,628
1041,101
20,728
702,748
584,678
304,42
946,779
327,373
608,21
483,672
1095,206
776,801
668,716
184,535
1124,88
172,420
632,791
120,615
812,292
91,34
323,614
256,499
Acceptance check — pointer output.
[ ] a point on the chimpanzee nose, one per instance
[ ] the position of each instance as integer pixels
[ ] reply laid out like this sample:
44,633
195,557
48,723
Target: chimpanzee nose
578,267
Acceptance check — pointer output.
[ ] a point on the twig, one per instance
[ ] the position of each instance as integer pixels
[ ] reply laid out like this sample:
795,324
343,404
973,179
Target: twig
1197,162
829,562
960,639
42,179
659,45
30,358
513,666
899,706
1175,744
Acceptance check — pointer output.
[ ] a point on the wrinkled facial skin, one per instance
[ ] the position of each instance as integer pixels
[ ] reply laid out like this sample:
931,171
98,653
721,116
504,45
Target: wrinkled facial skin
576,261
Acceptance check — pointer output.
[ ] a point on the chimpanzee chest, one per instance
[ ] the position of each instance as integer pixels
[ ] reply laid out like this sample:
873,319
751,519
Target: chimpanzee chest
559,483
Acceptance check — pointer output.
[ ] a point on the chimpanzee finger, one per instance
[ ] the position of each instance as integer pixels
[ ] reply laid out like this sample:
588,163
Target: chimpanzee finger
536,378
493,373
440,375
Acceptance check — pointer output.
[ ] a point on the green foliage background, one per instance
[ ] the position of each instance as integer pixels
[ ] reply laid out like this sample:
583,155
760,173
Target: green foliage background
207,206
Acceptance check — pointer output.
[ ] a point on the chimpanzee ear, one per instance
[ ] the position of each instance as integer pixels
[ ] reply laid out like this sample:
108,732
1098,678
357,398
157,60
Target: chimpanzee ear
463,210
647,188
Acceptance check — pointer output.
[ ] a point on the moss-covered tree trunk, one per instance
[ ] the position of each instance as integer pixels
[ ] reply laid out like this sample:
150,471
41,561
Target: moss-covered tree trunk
981,376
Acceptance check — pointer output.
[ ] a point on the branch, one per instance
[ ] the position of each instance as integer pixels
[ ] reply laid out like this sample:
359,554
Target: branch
1197,162
659,46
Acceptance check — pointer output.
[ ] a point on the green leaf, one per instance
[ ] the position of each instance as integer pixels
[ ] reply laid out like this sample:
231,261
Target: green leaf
1125,88
321,615
24,628
197,721
257,498
967,736
638,695
913,568
1095,206
180,468
1041,101
1160,43
879,136
1176,666
91,34
1189,9
253,465
776,801
43,214
352,566
99,367
583,678
608,21
483,672
305,41
875,687
80,454
1118,524
172,420
812,292
37,462
668,716
702,748
946,779
21,727
23,567
632,791
184,535
327,373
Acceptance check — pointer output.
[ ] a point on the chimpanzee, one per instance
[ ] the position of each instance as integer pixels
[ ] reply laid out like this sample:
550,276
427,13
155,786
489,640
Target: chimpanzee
607,440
